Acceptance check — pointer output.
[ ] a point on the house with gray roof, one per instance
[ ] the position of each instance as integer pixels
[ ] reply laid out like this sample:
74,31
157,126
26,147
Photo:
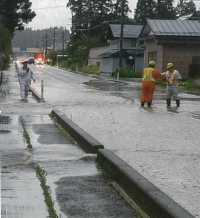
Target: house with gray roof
133,55
176,41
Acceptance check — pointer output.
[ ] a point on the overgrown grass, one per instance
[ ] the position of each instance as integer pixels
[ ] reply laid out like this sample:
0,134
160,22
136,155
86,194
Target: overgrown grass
26,135
41,174
190,84
129,73
90,69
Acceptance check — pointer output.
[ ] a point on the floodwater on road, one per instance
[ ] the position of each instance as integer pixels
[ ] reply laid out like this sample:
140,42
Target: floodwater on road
161,143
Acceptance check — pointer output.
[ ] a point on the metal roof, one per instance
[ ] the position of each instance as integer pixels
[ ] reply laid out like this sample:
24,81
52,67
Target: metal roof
174,27
129,31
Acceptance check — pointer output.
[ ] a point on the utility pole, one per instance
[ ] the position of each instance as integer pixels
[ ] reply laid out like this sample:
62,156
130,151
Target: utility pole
1,67
88,32
121,36
46,46
62,44
54,39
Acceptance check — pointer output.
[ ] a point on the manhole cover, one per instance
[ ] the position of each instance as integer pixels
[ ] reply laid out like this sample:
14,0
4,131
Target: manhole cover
4,123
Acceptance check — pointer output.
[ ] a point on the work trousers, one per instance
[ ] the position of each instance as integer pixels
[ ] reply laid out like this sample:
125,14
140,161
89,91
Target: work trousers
172,90
24,89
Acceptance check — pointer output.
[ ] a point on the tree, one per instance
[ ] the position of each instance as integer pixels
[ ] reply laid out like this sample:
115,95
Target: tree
5,44
165,10
185,8
88,18
145,9
16,14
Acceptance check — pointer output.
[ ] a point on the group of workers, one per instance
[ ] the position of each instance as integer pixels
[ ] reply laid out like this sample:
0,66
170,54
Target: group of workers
149,76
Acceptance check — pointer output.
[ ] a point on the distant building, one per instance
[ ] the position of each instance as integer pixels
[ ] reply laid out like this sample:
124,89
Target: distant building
133,55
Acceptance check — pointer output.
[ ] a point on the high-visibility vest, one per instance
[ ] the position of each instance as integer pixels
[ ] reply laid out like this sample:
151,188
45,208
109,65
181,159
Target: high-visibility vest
170,78
147,74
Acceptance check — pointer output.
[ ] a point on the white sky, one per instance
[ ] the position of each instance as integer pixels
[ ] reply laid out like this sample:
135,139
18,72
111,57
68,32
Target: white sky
51,13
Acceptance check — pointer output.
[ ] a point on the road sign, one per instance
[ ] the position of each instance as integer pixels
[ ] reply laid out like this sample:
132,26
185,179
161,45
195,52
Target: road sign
23,49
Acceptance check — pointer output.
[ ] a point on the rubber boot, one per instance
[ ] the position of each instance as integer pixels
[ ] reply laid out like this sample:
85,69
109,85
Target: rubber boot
142,104
149,104
168,102
178,103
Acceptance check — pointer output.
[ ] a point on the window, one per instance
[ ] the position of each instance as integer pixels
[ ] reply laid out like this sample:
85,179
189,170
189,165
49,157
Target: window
152,56
133,43
114,42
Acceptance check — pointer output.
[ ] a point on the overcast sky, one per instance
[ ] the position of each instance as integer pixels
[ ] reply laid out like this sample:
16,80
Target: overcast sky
51,13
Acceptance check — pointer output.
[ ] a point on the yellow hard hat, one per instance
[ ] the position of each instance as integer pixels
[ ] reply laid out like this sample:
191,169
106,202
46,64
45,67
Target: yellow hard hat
170,65
152,63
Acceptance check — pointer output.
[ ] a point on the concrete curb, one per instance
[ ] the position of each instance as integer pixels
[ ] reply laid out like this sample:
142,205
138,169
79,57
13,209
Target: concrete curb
148,197
35,94
86,141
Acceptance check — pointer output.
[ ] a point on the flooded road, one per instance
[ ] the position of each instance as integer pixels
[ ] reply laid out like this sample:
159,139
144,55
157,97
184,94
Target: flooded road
160,143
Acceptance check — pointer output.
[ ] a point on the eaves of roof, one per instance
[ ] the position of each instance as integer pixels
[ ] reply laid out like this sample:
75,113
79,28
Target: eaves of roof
126,53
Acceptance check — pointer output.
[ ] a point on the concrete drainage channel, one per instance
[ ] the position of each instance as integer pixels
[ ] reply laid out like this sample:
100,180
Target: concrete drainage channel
148,197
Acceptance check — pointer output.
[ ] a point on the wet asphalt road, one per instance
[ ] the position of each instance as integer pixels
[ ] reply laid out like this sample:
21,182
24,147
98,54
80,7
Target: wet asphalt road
161,143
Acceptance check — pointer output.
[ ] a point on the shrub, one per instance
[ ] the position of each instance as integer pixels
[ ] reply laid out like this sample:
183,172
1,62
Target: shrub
127,73
90,69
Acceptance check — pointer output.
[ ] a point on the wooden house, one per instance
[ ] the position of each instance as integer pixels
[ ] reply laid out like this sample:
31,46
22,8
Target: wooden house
133,55
176,41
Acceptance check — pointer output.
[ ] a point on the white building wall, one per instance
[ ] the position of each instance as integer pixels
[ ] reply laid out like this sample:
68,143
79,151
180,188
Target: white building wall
95,52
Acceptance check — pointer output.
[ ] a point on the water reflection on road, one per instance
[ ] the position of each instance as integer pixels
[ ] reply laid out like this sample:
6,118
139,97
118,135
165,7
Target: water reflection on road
161,143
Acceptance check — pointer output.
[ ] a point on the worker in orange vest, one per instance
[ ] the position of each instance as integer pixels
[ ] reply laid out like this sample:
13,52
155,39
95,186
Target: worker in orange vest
172,77
149,76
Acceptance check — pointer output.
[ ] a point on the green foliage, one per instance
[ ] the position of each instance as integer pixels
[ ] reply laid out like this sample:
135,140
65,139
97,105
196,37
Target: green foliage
127,73
52,54
5,45
190,84
90,69
161,9
185,7
144,10
73,65
35,38
93,14
41,174
69,64
165,10
16,14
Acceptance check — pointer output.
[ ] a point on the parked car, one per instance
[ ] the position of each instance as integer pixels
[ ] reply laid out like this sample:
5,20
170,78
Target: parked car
31,60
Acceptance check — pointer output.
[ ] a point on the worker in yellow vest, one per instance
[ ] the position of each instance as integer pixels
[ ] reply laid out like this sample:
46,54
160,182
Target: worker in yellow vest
172,77
149,76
